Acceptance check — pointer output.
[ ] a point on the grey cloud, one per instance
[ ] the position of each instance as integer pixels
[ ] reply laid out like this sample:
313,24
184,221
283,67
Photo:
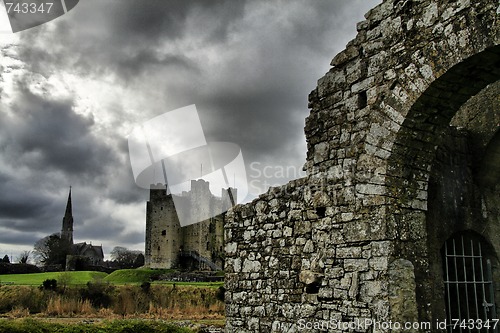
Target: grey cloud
150,21
123,37
248,72
13,237
49,135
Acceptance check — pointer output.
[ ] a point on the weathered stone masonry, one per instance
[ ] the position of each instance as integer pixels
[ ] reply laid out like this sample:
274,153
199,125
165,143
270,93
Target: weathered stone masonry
360,236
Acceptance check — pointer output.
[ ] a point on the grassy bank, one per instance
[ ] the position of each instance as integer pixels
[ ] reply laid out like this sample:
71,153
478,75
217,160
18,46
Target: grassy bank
36,279
30,326
126,276
119,277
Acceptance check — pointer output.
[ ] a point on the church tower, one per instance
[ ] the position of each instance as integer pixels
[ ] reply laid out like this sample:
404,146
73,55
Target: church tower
67,224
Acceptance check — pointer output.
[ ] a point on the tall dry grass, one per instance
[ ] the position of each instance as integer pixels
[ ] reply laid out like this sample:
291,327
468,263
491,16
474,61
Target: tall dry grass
160,301
64,306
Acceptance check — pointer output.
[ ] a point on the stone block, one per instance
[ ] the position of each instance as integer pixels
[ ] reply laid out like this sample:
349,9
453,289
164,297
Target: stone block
344,56
358,265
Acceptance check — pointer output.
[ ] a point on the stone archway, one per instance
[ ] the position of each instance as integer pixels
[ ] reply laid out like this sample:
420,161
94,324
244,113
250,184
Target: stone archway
350,242
425,130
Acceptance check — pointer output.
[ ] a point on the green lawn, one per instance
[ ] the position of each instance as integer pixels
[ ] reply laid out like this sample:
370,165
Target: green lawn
126,276
122,276
35,279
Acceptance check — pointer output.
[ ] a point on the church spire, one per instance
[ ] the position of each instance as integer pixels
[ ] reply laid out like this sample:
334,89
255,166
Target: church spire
69,209
67,224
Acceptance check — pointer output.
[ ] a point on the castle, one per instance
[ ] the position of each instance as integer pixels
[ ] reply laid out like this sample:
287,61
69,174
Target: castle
199,245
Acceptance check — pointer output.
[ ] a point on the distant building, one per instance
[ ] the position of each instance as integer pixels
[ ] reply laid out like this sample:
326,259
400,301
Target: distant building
93,254
199,245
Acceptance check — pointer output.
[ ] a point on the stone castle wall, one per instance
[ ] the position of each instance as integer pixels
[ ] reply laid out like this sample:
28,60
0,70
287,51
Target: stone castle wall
350,241
163,230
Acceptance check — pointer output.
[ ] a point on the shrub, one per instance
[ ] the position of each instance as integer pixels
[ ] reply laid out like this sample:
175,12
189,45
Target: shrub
220,294
98,293
146,287
64,280
6,268
49,284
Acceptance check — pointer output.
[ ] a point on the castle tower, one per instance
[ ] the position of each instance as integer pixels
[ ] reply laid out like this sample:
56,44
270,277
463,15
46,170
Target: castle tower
67,223
168,244
163,229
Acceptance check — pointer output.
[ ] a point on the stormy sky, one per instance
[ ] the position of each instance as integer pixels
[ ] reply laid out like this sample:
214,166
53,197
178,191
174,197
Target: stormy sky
72,90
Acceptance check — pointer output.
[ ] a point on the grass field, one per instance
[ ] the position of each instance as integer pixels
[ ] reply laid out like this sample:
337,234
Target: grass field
122,276
29,326
36,279
126,276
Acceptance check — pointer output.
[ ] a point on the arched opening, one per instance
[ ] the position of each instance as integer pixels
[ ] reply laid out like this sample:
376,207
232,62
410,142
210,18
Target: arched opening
434,175
468,283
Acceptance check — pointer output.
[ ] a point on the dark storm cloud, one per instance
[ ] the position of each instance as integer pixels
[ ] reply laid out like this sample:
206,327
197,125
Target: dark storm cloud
248,65
47,134
151,21
20,207
122,37
136,64
14,237
268,56
101,226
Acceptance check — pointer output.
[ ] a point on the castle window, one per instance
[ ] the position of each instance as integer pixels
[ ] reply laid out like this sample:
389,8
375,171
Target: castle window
362,99
208,245
164,232
158,248
161,208
321,211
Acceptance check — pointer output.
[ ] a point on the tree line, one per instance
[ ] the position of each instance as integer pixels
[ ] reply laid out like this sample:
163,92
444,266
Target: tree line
53,250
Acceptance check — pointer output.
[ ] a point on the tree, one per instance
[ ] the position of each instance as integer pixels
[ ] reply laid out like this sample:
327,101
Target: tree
52,250
127,258
24,257
139,260
6,259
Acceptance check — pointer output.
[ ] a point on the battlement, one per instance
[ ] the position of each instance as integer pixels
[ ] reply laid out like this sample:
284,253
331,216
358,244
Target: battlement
199,187
157,191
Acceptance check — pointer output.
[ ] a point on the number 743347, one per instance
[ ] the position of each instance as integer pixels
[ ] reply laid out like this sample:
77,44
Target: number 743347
28,7
474,323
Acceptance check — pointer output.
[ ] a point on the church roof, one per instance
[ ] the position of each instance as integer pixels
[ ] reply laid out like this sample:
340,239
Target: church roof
81,248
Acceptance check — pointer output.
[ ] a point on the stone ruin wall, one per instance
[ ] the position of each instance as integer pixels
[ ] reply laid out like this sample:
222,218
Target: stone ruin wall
349,241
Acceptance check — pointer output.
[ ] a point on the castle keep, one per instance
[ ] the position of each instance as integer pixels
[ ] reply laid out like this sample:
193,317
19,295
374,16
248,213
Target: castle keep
397,220
200,245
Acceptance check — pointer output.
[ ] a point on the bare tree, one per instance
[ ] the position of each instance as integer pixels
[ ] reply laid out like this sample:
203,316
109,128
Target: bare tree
52,250
127,258
24,257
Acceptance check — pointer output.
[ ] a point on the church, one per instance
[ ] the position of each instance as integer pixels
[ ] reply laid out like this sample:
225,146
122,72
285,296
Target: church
92,254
